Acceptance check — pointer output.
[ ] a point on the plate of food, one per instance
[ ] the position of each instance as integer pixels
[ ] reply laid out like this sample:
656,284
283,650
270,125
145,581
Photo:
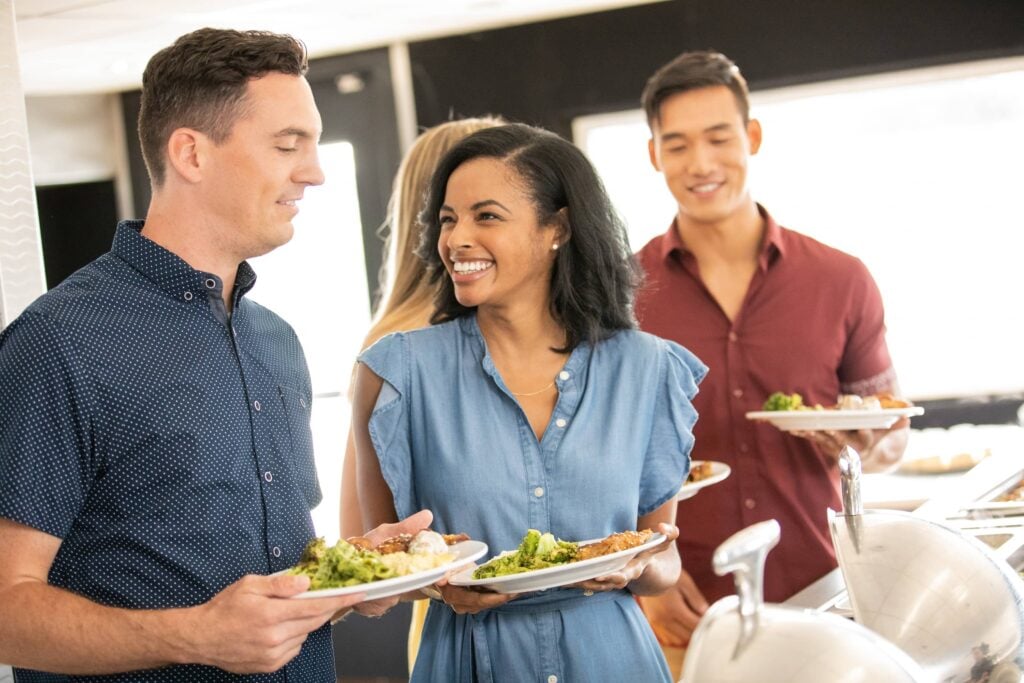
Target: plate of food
943,463
789,413
397,565
541,561
702,473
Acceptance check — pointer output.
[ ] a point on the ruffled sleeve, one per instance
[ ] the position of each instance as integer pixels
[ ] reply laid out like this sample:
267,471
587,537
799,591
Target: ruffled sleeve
388,358
667,460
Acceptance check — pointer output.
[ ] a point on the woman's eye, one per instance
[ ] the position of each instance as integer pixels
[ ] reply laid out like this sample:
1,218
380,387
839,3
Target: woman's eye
720,141
487,216
446,220
288,149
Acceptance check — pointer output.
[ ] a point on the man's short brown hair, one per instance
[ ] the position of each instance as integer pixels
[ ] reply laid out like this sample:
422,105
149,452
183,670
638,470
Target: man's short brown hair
692,71
200,82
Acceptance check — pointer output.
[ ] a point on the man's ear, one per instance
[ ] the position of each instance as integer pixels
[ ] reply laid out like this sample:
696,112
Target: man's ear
653,152
754,135
184,152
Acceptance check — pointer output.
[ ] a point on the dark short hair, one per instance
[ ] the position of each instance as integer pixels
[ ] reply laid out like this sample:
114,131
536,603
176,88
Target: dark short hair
200,82
594,274
692,71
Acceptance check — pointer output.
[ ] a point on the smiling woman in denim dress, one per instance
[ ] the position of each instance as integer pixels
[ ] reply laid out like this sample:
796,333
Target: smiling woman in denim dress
531,402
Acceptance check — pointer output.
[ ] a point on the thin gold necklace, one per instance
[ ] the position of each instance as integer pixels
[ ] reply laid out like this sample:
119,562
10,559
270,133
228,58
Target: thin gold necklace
533,393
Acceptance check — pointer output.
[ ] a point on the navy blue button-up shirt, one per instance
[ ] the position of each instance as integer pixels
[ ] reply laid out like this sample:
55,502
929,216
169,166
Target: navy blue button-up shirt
165,443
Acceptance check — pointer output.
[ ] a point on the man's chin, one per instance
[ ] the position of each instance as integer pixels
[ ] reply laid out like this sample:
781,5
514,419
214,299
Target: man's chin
274,241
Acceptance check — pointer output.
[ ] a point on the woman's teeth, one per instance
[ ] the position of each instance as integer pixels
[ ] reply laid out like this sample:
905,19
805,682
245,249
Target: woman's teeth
471,266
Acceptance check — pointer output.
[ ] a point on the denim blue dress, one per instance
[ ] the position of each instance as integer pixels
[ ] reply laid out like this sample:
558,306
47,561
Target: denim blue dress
452,438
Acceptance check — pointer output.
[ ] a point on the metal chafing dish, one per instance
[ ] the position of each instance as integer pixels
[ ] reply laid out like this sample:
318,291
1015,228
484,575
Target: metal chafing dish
740,639
944,596
969,506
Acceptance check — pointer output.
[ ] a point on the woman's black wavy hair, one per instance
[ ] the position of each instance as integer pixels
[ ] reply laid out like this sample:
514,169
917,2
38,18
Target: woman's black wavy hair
594,274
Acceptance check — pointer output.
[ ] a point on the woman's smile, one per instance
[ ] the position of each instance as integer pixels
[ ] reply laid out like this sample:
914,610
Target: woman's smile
469,271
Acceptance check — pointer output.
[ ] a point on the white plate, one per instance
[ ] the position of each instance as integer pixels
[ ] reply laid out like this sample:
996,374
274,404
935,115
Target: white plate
465,553
819,420
553,577
719,471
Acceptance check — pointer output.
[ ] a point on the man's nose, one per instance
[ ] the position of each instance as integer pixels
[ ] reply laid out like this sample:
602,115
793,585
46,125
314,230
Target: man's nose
701,161
311,173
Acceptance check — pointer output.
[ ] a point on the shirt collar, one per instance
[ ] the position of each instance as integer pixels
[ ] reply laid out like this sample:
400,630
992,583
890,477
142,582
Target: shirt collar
773,245
578,357
167,270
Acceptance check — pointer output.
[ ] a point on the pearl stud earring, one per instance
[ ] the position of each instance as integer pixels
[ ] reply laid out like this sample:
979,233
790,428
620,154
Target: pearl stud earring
554,247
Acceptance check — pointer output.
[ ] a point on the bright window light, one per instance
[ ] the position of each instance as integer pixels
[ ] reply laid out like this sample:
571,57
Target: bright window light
917,174
317,282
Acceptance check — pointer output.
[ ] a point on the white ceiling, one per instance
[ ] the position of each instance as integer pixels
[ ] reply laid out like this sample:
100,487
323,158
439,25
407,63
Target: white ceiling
79,46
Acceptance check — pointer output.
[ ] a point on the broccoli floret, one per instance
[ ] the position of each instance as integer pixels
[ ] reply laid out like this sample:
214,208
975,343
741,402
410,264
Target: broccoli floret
781,401
528,546
536,551
545,545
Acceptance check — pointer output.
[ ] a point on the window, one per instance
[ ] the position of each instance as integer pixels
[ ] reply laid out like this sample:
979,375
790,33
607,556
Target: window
916,173
317,282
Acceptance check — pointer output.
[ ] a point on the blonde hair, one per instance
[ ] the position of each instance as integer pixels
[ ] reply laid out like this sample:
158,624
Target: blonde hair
407,298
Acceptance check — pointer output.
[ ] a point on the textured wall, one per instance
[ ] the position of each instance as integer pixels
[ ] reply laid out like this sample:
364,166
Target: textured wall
21,256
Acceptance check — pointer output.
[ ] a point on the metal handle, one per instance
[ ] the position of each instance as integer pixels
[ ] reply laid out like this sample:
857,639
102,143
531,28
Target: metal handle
850,477
853,504
744,554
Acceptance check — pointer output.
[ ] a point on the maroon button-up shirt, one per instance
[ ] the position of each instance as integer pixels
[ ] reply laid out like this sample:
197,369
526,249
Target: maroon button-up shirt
811,322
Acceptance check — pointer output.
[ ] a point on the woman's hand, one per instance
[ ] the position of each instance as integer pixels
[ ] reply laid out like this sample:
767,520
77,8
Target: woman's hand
470,601
635,568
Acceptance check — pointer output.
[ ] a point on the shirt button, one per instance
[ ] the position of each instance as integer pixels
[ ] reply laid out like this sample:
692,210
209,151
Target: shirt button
733,336
563,375
256,405
750,503
539,491
188,296
560,422
210,283
552,679
744,448
738,393
268,476
302,402
275,551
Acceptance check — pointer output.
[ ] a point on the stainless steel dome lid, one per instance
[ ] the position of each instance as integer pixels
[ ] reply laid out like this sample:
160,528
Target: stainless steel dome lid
740,639
941,596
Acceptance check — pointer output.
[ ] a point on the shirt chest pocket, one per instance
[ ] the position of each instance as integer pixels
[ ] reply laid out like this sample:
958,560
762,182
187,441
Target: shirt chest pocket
299,449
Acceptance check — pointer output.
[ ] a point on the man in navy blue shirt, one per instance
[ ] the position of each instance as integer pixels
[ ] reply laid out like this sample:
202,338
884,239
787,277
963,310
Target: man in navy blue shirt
156,461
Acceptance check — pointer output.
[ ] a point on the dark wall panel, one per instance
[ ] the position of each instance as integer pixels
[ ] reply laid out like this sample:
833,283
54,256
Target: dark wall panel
76,223
549,73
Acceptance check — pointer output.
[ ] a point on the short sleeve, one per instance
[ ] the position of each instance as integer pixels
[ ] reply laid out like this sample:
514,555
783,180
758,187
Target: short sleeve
667,461
45,431
388,358
866,366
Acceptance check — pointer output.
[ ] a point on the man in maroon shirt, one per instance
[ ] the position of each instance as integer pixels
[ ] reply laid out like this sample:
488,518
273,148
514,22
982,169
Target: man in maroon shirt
768,310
